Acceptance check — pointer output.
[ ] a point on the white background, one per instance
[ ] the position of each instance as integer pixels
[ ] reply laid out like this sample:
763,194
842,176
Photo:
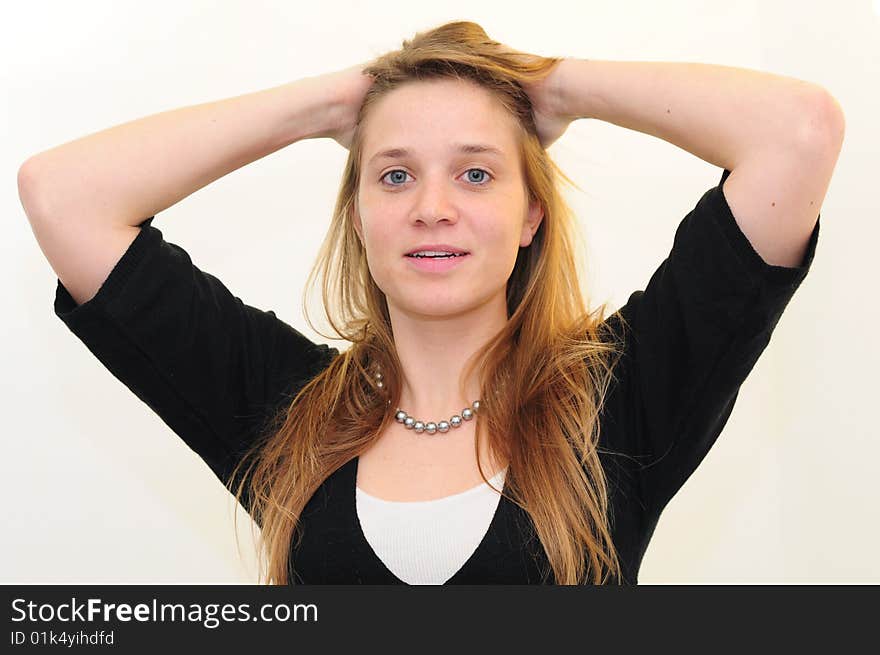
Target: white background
97,489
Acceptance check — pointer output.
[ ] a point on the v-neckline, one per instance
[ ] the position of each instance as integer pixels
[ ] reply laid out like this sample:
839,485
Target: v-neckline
350,487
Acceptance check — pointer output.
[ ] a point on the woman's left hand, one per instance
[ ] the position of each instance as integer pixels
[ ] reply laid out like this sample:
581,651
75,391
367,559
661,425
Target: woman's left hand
551,119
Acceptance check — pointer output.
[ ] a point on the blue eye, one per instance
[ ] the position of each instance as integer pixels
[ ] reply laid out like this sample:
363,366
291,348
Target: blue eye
398,172
479,170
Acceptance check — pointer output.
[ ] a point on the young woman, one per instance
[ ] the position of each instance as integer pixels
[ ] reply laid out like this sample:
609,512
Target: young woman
483,426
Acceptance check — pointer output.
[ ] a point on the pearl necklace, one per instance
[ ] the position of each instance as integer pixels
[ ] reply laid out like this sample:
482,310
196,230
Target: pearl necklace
416,425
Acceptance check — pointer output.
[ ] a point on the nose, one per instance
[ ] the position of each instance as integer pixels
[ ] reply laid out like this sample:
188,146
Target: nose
434,202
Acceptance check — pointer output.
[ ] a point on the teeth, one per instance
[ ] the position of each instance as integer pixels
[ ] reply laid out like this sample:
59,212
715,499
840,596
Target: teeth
434,253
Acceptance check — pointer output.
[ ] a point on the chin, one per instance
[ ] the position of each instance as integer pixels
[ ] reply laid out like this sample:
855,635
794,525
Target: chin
433,306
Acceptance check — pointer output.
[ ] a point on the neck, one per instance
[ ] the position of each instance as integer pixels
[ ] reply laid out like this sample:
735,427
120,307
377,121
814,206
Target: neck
433,350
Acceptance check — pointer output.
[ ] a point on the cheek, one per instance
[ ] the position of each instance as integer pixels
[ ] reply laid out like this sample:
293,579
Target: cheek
374,220
379,240
501,236
499,246
380,246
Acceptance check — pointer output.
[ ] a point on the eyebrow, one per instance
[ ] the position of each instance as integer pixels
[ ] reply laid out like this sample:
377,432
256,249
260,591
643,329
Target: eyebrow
466,148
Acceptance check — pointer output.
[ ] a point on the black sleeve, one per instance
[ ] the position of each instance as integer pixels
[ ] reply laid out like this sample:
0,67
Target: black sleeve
695,333
212,367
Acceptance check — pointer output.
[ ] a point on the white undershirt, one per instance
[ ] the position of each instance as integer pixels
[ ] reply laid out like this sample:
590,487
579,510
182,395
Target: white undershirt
427,542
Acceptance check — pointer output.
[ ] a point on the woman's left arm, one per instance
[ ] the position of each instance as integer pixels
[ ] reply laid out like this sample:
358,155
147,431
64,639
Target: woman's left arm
779,136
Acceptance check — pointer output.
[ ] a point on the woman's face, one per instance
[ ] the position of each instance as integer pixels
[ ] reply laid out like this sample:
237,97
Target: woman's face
439,192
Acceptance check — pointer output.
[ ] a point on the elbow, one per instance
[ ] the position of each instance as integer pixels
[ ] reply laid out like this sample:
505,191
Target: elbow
825,124
28,182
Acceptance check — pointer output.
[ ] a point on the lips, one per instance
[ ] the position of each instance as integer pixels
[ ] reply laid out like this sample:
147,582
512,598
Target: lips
437,264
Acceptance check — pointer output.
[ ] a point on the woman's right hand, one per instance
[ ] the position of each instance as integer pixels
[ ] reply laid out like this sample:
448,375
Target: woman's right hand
350,86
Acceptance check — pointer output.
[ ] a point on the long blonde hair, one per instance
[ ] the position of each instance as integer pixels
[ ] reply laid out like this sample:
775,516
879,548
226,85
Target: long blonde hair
549,366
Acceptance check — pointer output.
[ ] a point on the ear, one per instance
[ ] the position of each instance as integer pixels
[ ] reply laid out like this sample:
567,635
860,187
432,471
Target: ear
530,225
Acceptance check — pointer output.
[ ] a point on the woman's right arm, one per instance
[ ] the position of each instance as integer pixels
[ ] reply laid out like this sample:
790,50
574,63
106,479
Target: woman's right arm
140,168
84,199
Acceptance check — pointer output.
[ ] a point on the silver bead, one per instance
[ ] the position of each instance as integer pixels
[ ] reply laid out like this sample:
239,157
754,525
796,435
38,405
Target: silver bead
410,423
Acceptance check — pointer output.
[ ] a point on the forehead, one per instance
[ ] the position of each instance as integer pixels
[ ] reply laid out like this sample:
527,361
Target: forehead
434,117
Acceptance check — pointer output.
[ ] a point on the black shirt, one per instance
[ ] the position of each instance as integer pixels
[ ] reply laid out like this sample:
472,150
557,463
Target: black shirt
214,369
